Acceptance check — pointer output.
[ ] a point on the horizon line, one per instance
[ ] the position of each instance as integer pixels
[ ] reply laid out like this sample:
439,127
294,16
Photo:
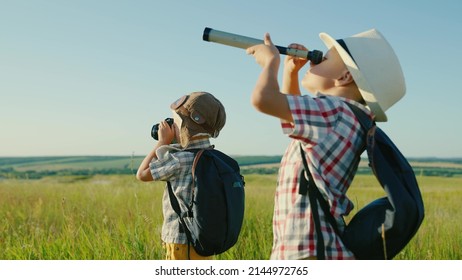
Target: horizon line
233,155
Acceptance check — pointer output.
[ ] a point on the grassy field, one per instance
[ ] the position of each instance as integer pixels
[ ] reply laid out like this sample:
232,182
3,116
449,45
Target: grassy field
116,217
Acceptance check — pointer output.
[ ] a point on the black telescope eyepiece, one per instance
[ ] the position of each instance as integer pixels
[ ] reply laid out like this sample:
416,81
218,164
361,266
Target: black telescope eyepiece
315,56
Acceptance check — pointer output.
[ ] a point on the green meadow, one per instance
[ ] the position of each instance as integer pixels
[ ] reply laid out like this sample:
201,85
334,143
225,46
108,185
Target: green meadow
115,217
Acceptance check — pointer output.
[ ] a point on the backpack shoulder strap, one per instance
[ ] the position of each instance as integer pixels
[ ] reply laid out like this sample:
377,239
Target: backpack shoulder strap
311,188
173,200
315,197
197,155
370,128
363,118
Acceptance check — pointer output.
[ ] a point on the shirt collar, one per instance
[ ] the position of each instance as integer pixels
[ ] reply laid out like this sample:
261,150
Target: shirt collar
351,101
199,144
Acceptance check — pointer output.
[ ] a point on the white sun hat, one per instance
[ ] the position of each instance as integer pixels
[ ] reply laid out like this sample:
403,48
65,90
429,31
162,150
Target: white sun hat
374,67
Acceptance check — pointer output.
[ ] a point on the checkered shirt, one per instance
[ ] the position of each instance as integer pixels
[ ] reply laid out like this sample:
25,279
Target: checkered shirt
175,165
332,139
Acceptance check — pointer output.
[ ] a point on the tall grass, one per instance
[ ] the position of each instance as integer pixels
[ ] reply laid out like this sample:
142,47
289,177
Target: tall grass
72,218
117,217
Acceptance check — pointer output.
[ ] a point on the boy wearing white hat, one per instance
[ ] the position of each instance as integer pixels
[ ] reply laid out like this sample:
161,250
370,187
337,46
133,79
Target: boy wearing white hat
362,70
197,117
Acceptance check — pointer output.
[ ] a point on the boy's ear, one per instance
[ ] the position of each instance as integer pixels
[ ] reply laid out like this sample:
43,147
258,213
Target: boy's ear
345,79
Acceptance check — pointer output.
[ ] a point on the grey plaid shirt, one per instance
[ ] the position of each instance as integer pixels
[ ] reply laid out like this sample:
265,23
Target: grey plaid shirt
175,165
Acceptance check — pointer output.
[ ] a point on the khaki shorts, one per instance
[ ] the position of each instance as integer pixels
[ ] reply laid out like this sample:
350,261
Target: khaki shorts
180,252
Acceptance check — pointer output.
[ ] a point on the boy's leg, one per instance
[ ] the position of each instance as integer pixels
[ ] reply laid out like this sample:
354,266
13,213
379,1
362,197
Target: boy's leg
180,252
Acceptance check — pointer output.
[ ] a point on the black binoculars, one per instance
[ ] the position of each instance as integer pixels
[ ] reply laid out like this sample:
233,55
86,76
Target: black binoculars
155,128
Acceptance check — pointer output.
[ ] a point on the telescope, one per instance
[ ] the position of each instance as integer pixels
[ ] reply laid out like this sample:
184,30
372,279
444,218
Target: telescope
243,42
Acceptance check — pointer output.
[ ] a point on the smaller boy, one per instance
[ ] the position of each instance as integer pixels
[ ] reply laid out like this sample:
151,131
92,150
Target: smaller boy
197,117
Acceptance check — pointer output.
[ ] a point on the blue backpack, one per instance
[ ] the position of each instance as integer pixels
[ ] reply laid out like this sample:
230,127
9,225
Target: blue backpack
215,213
381,229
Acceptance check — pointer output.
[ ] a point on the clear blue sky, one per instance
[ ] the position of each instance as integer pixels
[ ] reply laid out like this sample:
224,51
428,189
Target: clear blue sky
91,77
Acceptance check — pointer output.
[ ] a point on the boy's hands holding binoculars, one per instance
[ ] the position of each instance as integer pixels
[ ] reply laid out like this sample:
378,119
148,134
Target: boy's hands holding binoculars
166,133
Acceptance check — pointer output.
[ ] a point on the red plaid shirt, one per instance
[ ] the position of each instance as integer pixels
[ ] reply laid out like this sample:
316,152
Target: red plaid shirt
332,139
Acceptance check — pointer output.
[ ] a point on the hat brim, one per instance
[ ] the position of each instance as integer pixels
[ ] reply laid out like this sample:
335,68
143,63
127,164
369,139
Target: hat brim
366,91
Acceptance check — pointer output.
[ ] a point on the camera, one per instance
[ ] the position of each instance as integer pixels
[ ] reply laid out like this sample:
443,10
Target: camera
155,128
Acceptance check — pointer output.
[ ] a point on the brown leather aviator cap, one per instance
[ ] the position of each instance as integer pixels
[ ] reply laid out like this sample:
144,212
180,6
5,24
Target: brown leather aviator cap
201,113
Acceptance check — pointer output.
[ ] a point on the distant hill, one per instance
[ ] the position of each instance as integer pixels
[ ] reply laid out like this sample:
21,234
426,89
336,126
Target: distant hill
101,162
37,167
66,162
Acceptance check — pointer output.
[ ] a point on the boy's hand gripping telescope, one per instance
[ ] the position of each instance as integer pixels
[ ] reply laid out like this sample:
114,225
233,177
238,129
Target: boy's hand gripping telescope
238,41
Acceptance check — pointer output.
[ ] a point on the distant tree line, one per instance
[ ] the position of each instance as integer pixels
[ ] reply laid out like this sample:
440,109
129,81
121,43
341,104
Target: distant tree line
247,168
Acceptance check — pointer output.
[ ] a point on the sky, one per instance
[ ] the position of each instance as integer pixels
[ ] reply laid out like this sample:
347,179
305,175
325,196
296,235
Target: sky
91,77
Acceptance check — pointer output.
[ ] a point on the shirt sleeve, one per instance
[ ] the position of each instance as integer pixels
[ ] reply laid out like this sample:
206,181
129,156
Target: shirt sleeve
313,118
165,167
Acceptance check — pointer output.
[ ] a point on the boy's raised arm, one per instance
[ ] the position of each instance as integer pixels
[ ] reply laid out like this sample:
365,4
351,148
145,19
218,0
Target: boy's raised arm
166,135
144,173
266,96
